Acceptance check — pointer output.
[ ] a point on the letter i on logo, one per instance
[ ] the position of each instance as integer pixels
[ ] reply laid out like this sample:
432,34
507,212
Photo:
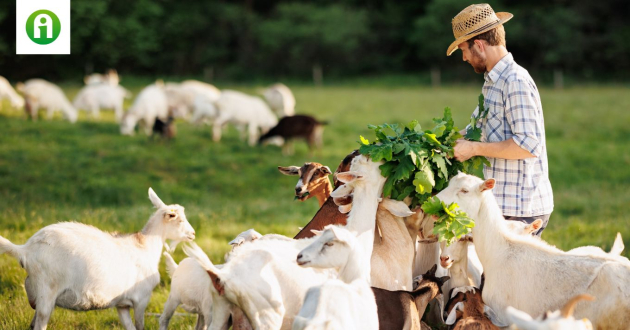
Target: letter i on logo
43,27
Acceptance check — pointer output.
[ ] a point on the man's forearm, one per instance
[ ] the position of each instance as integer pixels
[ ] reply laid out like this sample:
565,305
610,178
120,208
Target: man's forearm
507,149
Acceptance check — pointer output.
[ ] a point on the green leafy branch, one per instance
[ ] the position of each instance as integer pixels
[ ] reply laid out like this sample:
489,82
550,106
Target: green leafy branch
451,223
473,133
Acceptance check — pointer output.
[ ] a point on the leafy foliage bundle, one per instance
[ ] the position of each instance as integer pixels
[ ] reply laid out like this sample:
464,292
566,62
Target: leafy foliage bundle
419,163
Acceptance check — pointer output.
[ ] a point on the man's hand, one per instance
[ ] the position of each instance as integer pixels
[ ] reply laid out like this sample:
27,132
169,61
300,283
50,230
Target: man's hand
464,150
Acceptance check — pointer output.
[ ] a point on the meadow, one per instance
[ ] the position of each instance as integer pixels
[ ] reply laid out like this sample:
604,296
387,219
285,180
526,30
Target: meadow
54,171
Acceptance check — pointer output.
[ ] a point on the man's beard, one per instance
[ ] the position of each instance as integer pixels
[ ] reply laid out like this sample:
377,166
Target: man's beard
477,61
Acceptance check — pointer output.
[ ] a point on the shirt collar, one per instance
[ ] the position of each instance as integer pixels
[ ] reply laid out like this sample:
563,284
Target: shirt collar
499,68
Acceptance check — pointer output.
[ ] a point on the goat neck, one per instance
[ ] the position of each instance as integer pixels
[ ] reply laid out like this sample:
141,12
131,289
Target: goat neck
489,229
362,217
355,266
328,214
153,233
321,190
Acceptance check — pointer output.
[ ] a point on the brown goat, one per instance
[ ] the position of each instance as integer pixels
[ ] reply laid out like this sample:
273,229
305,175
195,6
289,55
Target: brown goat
404,309
329,213
472,315
313,181
297,127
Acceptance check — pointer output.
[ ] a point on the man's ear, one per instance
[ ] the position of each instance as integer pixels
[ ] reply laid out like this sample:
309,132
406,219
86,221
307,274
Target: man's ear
480,45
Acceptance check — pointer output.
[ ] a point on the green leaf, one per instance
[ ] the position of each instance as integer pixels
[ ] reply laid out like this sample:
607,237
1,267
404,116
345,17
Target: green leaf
424,181
431,139
384,152
438,159
432,206
387,188
388,168
404,169
398,147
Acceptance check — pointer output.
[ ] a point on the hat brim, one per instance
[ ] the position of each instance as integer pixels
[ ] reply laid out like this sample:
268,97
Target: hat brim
503,17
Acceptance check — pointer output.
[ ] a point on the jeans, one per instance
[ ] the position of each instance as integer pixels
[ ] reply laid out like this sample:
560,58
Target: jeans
528,220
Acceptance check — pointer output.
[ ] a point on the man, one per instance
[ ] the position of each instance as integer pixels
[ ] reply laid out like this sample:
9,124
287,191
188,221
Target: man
513,133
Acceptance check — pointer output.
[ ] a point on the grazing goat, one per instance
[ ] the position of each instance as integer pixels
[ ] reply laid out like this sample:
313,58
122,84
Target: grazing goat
7,92
96,96
398,310
280,100
297,127
39,93
79,267
165,129
532,276
347,303
150,104
242,110
191,287
110,78
558,320
313,181
263,279
468,314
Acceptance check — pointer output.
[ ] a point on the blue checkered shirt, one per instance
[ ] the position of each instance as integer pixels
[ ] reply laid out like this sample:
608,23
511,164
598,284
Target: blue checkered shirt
522,186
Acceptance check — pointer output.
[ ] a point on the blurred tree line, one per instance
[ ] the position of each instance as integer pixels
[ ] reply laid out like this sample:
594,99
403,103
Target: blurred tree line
247,40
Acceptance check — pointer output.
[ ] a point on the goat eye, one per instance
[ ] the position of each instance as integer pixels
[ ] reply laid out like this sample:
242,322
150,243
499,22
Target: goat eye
329,244
464,191
172,215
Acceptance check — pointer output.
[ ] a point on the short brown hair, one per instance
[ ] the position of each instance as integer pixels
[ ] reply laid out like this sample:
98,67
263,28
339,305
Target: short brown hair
494,37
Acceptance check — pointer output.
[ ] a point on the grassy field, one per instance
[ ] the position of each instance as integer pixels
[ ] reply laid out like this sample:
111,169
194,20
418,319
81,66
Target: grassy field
55,171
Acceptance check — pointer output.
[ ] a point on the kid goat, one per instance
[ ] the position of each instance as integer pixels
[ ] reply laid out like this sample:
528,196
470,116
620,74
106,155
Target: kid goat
79,267
532,276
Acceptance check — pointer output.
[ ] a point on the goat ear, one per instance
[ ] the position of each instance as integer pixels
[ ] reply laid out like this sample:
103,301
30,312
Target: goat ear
534,226
443,279
157,202
339,233
216,282
349,176
397,208
325,170
289,170
342,191
432,270
343,209
452,316
487,185
316,232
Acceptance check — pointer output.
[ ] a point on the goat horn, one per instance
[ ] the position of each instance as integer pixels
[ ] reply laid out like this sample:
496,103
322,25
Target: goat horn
568,308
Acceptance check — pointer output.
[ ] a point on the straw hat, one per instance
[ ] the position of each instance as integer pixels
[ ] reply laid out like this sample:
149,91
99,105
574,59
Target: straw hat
475,20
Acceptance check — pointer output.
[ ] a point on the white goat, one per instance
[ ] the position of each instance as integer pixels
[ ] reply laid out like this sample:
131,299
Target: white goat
263,278
93,97
280,99
243,110
150,104
558,320
347,303
192,288
79,267
110,78
616,249
39,93
7,92
532,276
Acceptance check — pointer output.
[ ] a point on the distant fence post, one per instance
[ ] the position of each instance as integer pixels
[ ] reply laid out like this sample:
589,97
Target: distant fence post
318,75
208,73
558,79
436,77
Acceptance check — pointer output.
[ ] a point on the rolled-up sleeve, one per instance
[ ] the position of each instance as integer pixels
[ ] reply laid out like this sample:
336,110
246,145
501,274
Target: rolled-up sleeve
524,116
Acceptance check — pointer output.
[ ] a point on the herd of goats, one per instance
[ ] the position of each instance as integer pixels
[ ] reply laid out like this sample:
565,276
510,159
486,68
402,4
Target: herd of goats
363,262
157,106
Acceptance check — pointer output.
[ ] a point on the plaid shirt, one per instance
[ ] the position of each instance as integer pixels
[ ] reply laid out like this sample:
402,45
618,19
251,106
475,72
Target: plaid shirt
522,186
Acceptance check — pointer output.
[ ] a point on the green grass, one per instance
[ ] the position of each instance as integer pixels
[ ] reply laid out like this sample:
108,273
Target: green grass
55,171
